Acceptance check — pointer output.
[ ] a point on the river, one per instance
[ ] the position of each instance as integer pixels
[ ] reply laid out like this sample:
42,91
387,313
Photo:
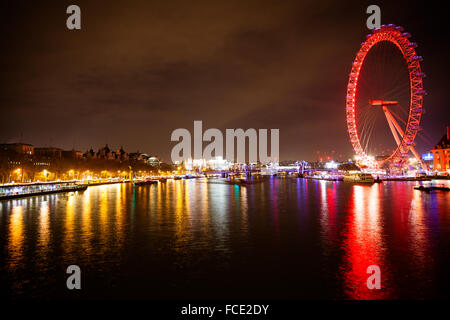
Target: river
279,238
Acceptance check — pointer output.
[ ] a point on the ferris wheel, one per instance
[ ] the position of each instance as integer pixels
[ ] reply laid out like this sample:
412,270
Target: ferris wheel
385,82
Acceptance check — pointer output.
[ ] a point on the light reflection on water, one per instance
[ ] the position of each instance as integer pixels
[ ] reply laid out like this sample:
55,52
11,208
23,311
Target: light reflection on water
288,237
363,243
16,234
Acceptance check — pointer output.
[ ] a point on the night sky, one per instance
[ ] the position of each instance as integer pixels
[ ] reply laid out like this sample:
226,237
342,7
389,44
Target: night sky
137,70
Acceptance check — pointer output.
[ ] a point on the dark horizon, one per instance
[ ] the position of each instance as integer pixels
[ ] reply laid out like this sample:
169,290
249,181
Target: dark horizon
134,73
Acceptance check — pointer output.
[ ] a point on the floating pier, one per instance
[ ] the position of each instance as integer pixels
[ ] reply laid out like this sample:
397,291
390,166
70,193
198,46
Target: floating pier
15,191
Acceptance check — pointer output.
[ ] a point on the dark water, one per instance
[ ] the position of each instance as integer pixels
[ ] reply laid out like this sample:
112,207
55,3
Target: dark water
281,238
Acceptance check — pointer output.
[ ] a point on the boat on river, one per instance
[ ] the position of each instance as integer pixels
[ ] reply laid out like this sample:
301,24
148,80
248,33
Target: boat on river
145,182
238,181
431,188
322,177
16,191
359,177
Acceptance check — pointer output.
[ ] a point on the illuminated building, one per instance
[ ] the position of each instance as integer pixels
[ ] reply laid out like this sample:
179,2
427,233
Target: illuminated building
427,159
195,164
216,163
21,148
331,165
441,153
154,161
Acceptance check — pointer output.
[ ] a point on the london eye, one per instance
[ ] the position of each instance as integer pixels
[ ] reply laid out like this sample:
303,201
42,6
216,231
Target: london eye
384,101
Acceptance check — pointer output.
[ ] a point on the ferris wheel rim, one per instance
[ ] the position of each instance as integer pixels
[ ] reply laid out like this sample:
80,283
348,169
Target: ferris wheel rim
395,35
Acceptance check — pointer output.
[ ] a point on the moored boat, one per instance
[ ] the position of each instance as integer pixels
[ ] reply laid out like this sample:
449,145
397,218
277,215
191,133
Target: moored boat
238,181
145,182
431,188
359,177
38,189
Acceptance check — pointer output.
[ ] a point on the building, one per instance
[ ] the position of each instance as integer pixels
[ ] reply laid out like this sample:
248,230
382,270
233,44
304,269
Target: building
138,156
90,154
441,153
121,155
215,163
195,164
427,159
18,148
72,154
154,161
48,152
218,163
106,153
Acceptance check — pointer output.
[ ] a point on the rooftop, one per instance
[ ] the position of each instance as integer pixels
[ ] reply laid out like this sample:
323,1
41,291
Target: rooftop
444,143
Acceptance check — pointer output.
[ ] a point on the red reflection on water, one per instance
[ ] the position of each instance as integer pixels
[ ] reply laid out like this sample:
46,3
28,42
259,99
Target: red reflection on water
419,235
363,245
328,215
